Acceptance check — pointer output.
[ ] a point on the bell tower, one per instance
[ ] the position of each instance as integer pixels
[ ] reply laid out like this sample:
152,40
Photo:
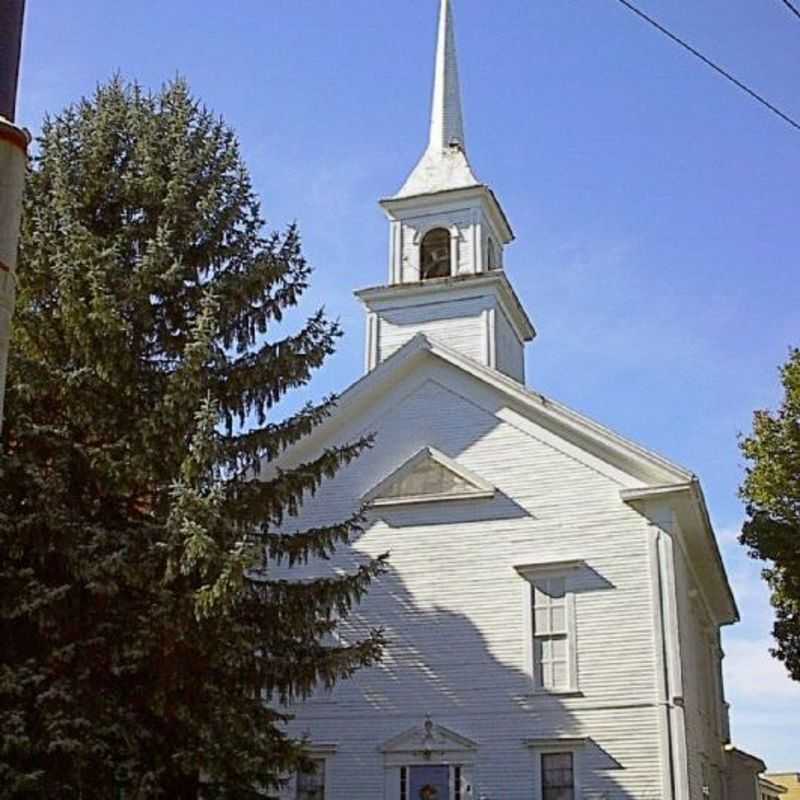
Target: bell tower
448,233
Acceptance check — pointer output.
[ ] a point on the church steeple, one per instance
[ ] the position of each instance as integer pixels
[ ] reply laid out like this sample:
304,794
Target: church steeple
444,165
448,233
447,119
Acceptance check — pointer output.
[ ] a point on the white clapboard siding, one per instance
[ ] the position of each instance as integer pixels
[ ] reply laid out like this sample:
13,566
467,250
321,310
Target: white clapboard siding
452,605
458,323
510,350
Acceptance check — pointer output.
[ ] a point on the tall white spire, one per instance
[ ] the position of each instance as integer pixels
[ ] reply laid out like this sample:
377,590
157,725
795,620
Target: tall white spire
447,120
444,164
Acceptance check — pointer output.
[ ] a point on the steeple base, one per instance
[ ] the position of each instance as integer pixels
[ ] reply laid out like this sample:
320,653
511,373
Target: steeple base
478,315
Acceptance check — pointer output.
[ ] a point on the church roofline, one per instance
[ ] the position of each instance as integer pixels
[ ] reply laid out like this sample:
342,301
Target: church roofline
633,459
656,473
692,510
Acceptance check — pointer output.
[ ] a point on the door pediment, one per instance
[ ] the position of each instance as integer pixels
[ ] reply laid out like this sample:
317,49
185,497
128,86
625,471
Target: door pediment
429,743
427,477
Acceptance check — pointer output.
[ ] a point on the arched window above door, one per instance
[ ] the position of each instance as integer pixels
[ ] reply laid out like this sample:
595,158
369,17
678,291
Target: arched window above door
435,254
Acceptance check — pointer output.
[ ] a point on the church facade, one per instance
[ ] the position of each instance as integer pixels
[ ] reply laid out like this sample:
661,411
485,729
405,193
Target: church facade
555,592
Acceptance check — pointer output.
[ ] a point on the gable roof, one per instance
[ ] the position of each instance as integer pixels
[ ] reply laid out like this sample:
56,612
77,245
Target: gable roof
658,477
637,461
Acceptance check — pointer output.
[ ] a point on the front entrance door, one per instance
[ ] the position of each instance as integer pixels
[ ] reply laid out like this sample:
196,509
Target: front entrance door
429,783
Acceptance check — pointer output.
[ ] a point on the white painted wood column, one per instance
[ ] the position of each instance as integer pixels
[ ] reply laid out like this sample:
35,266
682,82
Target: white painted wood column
371,343
490,337
455,237
396,253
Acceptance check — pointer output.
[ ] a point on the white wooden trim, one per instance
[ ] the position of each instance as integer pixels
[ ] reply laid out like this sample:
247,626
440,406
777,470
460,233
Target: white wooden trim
544,567
661,663
477,266
675,671
430,498
444,758
455,238
573,745
371,351
529,573
490,317
550,743
454,287
687,509
588,436
480,488
572,640
395,253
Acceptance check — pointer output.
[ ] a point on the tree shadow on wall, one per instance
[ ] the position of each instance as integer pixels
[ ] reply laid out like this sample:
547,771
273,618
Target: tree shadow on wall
440,666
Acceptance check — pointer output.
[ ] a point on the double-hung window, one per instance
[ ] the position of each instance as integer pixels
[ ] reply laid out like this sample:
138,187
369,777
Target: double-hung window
550,628
550,634
558,767
558,776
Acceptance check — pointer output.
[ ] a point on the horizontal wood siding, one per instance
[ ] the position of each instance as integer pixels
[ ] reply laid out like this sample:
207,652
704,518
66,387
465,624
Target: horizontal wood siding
451,603
510,350
458,324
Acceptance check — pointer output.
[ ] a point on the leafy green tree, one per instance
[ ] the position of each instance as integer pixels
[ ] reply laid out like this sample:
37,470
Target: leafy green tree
143,624
772,491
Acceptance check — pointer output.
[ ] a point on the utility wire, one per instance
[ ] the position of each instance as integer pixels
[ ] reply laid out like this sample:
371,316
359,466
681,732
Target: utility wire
785,117
792,8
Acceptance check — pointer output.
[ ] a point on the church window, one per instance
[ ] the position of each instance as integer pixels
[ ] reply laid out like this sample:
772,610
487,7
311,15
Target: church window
435,254
311,784
550,625
558,776
550,635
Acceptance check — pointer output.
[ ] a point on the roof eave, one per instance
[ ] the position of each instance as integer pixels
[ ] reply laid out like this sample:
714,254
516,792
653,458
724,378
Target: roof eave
498,278
694,514
399,202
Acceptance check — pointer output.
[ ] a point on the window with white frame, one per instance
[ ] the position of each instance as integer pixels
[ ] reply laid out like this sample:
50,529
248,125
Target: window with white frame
428,782
311,783
549,624
558,776
550,633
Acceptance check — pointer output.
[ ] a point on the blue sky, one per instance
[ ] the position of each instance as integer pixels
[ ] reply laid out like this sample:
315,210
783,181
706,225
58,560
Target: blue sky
655,206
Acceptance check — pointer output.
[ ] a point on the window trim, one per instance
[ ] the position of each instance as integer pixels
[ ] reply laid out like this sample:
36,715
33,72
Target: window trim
320,752
445,229
459,780
530,573
573,745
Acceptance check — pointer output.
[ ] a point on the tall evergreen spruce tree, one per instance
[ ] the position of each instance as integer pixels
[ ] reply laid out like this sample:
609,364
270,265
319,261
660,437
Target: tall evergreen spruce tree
142,625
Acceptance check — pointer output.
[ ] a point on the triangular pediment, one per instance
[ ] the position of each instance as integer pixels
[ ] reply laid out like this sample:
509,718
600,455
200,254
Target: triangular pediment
427,477
428,738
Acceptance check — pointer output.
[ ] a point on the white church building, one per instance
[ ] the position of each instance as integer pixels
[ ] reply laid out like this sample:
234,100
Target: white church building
555,592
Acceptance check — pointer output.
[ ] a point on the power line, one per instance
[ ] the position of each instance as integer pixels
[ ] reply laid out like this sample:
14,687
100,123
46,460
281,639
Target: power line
708,62
792,8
